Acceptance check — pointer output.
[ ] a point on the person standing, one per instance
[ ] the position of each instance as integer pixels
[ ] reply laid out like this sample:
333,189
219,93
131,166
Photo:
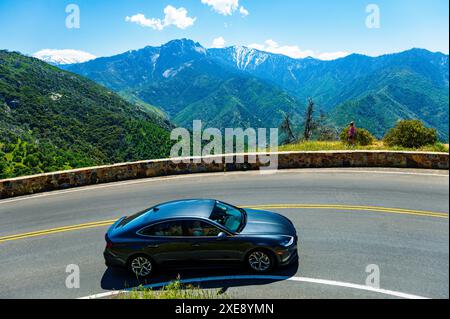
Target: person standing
351,134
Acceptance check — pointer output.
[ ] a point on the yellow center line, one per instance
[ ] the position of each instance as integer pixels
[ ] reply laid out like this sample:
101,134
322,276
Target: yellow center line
355,208
105,223
57,230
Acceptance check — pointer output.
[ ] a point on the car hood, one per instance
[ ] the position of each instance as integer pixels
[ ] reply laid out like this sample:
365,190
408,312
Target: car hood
264,223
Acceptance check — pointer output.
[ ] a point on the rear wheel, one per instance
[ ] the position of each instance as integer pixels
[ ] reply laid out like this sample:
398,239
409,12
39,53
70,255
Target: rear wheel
141,266
260,261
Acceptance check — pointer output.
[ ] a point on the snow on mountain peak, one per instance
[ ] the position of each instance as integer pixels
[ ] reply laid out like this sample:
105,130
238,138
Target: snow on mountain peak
244,57
61,57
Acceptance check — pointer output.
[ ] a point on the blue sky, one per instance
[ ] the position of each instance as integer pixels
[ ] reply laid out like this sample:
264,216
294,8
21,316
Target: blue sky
297,27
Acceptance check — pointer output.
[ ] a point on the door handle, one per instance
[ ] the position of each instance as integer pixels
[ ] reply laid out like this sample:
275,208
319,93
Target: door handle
153,246
196,245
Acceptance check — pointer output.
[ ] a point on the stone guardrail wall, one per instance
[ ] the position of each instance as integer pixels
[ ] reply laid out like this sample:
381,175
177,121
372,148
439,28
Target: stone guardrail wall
156,168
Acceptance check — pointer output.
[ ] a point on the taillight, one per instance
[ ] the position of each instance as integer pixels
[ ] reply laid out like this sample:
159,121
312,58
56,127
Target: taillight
109,245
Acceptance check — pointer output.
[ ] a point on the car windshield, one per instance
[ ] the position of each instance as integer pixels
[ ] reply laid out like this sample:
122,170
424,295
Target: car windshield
228,216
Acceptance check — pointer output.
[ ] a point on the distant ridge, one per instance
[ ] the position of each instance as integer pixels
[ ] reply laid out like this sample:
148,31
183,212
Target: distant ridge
186,80
62,57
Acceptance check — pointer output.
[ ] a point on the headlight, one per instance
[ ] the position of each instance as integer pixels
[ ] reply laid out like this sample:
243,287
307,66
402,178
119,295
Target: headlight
288,241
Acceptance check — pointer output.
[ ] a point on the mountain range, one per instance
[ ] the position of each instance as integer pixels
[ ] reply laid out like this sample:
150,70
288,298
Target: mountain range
244,87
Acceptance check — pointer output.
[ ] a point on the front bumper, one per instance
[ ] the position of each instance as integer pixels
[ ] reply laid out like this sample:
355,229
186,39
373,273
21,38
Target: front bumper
287,256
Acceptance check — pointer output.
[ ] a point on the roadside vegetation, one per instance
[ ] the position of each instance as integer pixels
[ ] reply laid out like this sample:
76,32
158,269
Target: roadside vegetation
412,134
23,157
175,290
339,146
363,137
318,135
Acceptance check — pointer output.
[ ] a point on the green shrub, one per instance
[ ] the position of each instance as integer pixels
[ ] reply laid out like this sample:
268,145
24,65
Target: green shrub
175,290
411,134
363,136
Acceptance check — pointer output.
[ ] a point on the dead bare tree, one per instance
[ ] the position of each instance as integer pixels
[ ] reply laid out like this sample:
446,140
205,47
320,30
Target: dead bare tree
286,128
309,120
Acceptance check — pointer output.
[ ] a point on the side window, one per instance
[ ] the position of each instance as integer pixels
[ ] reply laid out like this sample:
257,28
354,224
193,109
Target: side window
167,229
198,228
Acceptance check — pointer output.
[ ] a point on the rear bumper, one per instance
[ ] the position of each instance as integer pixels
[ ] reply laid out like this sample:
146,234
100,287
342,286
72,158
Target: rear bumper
114,260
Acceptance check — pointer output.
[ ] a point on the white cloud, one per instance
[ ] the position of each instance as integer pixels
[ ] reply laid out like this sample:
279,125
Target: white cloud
273,47
66,56
172,16
140,19
178,17
332,55
219,43
244,12
226,7
295,51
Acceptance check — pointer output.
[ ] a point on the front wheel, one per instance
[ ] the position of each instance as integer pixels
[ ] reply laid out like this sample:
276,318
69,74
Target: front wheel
260,261
141,266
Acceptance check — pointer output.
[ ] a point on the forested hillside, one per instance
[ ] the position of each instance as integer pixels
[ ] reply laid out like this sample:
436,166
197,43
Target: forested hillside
52,119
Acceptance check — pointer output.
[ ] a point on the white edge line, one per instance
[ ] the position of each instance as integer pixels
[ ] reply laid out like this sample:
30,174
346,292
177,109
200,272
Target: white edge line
298,279
164,178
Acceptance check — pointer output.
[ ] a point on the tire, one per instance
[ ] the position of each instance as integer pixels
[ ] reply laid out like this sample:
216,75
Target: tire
141,266
260,261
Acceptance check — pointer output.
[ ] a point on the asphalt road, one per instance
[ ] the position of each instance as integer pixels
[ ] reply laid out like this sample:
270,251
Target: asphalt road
336,244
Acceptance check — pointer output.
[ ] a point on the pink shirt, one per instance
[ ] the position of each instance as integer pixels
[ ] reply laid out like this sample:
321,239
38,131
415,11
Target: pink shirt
352,131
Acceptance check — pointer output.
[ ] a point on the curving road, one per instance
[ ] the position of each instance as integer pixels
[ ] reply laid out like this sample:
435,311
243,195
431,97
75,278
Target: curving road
403,228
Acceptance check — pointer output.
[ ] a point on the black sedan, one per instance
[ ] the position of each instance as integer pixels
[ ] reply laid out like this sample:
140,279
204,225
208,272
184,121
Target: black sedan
199,233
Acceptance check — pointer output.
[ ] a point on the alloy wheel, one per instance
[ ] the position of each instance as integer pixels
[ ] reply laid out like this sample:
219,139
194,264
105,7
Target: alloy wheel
259,261
141,266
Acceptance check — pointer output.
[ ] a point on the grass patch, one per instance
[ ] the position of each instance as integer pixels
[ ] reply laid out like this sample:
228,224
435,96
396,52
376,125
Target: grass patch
175,290
339,146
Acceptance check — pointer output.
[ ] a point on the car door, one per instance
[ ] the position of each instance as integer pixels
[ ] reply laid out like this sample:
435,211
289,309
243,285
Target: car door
165,242
206,248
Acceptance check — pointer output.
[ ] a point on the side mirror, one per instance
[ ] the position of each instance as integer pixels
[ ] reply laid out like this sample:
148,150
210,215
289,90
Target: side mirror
222,236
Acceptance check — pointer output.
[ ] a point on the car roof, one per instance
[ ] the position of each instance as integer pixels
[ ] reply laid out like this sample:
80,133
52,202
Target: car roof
199,208
189,208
